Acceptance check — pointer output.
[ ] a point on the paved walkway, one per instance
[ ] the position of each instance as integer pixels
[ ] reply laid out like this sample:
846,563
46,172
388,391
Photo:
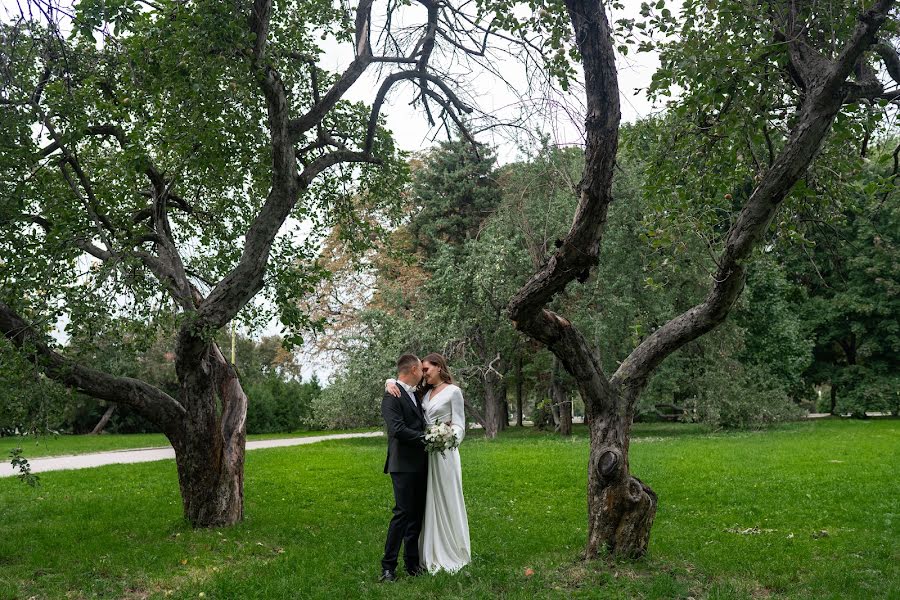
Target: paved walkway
138,455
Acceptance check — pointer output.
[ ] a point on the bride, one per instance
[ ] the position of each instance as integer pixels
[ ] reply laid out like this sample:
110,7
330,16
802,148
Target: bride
444,542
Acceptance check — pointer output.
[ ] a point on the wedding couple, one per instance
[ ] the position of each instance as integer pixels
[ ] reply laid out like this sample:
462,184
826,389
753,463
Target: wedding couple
429,511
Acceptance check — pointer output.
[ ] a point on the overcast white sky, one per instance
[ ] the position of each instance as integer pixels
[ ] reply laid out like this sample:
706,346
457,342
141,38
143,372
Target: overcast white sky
411,129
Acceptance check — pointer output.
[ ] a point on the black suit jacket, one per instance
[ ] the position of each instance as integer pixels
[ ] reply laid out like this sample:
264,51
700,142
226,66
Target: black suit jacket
405,426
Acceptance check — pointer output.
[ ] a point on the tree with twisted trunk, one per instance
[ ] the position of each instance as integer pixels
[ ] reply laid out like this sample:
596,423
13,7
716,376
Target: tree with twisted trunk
170,167
828,63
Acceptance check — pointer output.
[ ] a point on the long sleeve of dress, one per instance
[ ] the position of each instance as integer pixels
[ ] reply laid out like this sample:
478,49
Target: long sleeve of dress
458,415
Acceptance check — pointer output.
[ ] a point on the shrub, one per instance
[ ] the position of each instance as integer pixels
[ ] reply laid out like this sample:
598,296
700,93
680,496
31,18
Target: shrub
348,402
861,390
740,397
29,401
275,405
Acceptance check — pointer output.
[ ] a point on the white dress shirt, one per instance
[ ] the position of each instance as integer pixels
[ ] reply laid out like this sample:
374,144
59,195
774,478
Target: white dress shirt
411,390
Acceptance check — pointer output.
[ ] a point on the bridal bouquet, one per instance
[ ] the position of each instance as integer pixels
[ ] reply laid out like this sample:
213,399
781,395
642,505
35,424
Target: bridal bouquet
440,437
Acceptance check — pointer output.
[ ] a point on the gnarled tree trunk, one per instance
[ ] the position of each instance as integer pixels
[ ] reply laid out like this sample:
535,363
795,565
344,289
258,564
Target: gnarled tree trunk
210,443
206,425
621,508
211,481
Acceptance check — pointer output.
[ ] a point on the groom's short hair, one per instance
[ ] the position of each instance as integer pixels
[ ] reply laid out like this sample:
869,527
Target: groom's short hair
406,362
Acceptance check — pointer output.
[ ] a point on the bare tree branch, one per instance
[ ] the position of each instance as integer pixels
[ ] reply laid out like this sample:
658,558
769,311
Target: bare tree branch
331,159
453,116
35,99
407,75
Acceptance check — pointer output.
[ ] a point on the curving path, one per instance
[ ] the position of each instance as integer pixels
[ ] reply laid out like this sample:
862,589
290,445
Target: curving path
98,459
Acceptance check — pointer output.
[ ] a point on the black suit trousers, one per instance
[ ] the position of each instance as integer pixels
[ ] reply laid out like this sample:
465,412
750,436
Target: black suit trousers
406,524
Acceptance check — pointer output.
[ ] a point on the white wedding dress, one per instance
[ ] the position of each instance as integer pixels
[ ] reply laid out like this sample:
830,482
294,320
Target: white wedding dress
444,541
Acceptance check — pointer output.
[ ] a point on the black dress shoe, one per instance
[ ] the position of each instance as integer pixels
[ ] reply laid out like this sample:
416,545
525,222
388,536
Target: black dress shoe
387,576
416,572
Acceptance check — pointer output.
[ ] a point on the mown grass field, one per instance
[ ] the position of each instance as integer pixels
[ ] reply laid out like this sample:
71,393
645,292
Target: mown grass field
808,510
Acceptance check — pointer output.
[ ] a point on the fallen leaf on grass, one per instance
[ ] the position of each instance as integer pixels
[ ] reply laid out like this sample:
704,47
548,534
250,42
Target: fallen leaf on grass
529,572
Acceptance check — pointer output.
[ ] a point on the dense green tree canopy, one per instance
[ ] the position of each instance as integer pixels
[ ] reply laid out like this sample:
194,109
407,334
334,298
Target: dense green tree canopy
163,100
847,270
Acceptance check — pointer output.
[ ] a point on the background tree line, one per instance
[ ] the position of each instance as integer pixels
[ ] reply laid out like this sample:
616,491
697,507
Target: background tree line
281,399
814,330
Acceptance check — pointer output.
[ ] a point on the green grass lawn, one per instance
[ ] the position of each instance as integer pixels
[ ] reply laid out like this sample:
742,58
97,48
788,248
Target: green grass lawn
64,445
741,515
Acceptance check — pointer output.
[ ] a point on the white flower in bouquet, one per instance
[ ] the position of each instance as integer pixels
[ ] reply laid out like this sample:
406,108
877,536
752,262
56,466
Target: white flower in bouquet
439,438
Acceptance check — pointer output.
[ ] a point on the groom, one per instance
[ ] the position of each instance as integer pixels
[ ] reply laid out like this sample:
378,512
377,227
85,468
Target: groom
408,465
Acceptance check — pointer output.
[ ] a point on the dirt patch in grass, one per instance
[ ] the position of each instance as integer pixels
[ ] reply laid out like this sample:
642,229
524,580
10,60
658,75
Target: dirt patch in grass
580,574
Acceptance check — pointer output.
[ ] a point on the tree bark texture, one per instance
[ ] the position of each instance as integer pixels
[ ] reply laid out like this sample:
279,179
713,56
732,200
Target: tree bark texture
210,445
621,508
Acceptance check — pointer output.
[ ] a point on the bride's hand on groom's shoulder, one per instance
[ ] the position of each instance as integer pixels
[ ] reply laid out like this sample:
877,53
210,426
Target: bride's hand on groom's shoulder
391,387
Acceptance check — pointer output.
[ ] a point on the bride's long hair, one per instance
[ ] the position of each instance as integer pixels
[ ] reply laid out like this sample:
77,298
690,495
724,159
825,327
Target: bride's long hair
444,371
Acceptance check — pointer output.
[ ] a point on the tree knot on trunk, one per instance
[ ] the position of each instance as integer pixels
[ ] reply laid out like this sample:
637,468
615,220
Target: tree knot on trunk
608,464
637,491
